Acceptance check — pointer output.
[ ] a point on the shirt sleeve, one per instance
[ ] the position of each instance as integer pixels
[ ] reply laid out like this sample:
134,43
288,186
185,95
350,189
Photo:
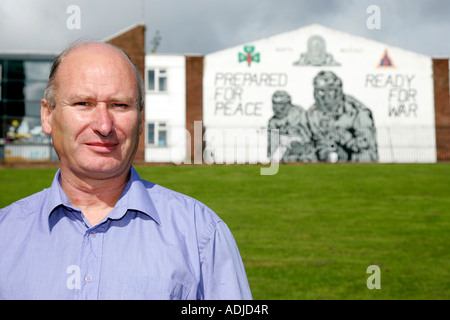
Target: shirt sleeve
222,269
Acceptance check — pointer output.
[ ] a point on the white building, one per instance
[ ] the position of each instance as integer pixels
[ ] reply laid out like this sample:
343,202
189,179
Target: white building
165,113
387,110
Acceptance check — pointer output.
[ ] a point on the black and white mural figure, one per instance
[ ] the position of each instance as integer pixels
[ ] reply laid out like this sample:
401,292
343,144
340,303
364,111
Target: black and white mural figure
316,54
337,127
295,142
340,124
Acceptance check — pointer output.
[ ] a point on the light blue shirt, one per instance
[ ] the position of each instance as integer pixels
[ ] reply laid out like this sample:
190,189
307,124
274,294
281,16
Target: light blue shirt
155,244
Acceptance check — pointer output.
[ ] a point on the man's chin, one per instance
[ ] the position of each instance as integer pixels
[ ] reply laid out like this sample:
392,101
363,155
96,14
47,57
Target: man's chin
103,168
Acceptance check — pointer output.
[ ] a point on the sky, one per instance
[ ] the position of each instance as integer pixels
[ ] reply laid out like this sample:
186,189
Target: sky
206,26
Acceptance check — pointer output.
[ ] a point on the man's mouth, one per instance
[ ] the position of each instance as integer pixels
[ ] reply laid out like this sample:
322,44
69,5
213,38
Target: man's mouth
102,147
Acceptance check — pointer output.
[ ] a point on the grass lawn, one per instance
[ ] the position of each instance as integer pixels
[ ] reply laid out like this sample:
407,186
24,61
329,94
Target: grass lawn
311,231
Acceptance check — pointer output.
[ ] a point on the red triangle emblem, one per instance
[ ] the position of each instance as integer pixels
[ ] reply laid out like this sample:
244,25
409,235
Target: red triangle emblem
386,61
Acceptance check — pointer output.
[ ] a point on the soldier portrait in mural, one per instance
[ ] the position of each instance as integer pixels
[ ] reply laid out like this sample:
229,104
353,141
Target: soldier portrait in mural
295,142
337,127
316,54
339,123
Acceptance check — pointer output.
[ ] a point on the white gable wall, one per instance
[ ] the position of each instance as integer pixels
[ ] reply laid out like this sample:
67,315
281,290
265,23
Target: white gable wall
399,97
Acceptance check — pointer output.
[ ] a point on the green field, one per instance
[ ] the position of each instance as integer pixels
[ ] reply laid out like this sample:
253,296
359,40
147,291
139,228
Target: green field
311,231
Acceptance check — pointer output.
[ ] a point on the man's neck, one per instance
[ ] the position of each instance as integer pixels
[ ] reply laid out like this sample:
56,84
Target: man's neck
94,197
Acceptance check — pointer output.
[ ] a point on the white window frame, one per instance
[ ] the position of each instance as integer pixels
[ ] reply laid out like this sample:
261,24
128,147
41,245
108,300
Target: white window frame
159,73
159,126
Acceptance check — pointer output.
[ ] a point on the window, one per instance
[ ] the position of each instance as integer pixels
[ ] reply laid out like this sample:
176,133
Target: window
157,80
157,134
162,80
22,86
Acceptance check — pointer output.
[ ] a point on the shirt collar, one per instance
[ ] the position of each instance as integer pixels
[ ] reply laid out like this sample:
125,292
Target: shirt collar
134,197
56,196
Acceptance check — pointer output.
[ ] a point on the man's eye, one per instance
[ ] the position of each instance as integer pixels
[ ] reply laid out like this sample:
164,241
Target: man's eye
120,105
81,103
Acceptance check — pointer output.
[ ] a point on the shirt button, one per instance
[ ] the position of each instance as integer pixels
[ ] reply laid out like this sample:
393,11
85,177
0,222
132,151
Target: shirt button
88,278
92,235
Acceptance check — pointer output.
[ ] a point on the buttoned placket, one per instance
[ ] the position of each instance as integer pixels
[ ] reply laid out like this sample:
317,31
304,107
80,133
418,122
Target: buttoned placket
90,263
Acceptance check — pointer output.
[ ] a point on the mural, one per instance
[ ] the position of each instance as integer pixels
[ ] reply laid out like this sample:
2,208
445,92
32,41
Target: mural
337,127
332,97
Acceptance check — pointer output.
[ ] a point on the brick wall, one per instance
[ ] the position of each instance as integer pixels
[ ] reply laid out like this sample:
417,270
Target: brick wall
442,108
194,100
133,42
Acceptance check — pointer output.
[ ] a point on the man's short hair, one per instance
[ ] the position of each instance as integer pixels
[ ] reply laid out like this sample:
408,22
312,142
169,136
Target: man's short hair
49,93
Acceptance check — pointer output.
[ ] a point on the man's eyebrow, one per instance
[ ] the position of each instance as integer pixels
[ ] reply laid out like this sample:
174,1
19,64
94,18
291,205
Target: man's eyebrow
123,99
87,97
81,97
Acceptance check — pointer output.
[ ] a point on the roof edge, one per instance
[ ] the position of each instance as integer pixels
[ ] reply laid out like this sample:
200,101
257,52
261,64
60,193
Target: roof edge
125,30
22,54
336,31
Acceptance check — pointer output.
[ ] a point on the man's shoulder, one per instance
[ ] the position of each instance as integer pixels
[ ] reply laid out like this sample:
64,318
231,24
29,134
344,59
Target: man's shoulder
158,192
24,207
174,205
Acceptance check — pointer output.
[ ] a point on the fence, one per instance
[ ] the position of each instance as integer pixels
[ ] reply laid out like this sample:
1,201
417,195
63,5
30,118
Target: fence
230,145
22,140
400,144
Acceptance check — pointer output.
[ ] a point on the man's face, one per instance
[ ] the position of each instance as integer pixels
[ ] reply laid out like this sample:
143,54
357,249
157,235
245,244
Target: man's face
96,123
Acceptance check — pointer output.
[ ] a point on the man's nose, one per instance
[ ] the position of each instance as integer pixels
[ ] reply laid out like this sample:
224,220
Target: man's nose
103,120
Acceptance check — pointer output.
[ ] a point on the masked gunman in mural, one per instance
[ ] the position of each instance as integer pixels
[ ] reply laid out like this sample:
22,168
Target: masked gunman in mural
340,125
295,142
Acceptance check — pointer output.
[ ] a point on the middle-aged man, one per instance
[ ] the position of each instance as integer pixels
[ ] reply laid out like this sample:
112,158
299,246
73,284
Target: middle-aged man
100,231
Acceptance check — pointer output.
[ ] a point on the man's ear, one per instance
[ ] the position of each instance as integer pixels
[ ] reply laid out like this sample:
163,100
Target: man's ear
46,116
141,125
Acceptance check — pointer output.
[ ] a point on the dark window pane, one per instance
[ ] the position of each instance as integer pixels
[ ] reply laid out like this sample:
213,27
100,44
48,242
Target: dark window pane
14,70
13,90
15,109
151,80
151,133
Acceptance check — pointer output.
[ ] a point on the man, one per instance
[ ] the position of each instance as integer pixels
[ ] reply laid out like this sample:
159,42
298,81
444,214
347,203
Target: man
340,124
100,231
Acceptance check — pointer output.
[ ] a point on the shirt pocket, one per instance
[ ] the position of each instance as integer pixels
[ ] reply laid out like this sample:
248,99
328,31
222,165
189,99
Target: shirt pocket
148,288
